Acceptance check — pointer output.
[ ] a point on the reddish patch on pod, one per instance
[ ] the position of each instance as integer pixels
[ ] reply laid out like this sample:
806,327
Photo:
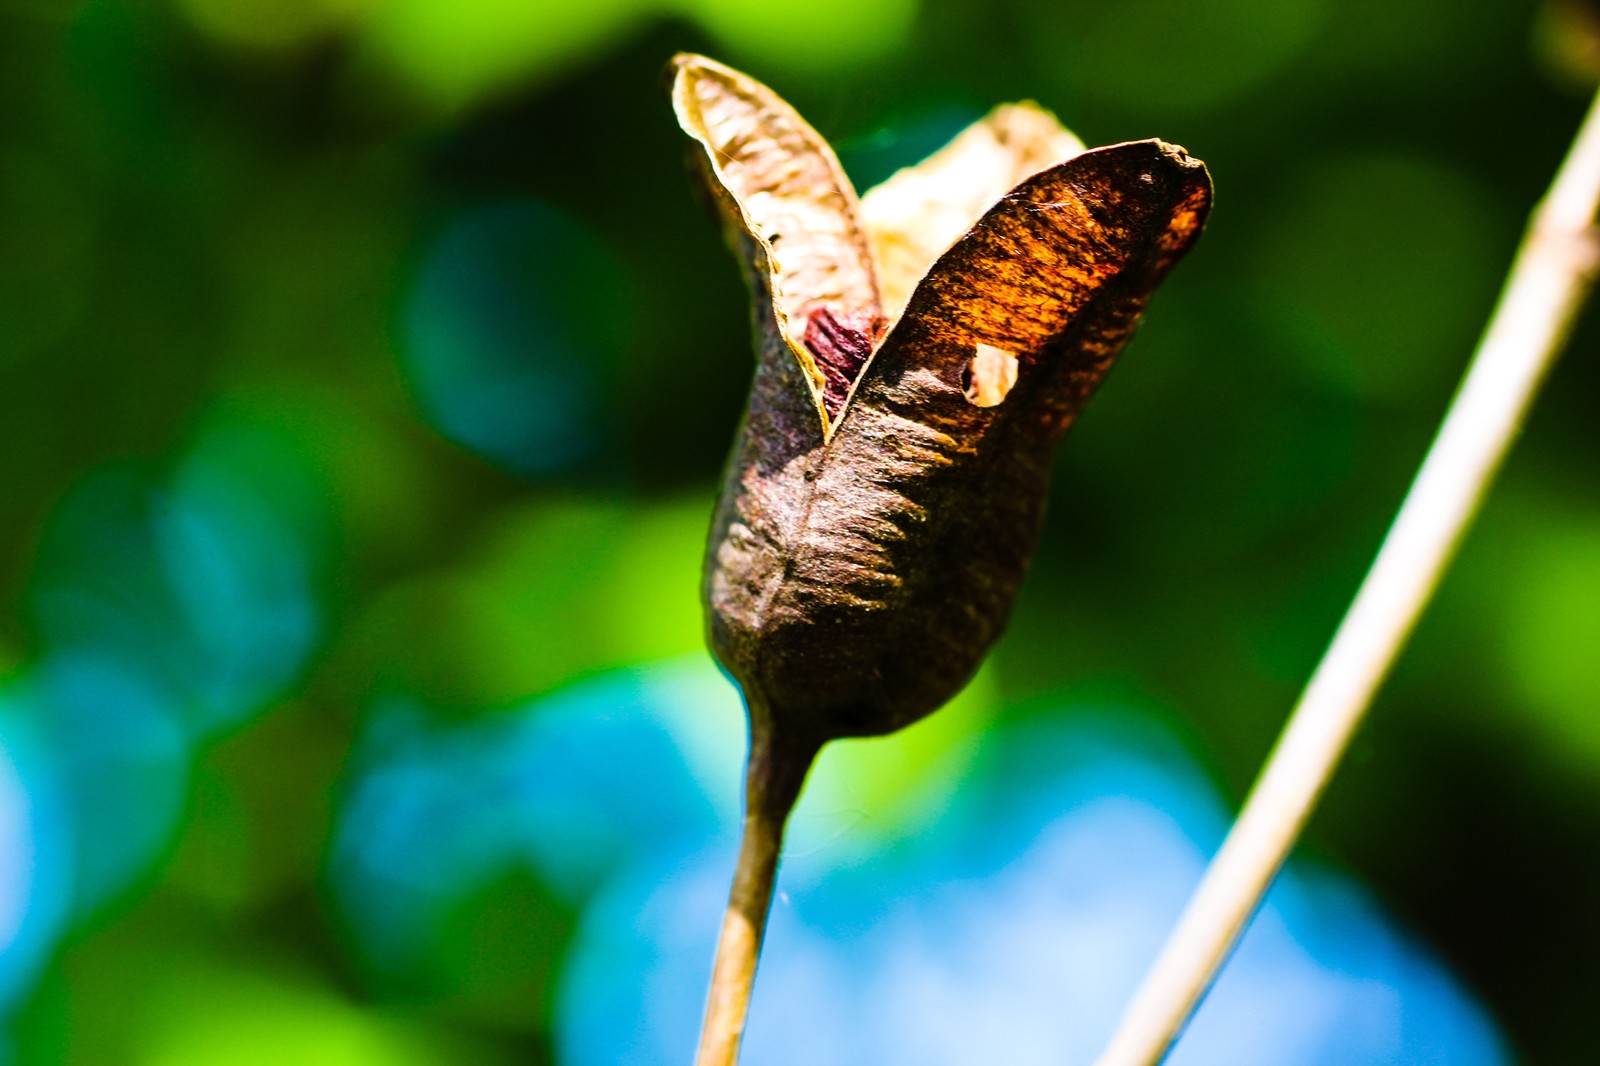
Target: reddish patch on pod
841,344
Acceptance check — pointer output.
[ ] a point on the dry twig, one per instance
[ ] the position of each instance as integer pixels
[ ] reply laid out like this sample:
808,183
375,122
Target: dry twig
1549,280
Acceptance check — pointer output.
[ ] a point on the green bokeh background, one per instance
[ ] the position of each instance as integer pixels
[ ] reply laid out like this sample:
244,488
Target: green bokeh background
219,216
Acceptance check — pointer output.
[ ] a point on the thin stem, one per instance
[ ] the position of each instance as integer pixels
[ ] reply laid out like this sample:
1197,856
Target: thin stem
772,786
1552,274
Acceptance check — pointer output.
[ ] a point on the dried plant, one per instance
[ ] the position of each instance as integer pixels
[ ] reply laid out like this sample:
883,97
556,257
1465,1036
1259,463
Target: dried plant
920,352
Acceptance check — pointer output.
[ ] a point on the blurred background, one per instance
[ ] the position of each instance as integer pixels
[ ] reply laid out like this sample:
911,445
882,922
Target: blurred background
366,367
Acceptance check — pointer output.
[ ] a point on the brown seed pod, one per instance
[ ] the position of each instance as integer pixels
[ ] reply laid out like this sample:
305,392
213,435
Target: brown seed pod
920,351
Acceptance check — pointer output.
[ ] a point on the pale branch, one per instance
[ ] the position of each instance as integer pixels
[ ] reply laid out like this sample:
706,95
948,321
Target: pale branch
1552,274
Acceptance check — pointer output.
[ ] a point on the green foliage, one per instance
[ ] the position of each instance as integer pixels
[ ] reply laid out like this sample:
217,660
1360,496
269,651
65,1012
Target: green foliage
214,216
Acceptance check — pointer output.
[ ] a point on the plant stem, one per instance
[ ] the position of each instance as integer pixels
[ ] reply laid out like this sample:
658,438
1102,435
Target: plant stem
772,786
1552,274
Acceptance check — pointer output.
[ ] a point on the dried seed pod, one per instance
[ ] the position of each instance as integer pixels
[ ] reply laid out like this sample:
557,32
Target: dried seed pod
886,489
919,353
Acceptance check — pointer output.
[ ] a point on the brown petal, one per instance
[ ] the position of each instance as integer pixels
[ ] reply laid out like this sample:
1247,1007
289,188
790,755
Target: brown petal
920,211
790,213
906,536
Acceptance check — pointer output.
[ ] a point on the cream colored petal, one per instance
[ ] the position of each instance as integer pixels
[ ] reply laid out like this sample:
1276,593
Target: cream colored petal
794,203
920,211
